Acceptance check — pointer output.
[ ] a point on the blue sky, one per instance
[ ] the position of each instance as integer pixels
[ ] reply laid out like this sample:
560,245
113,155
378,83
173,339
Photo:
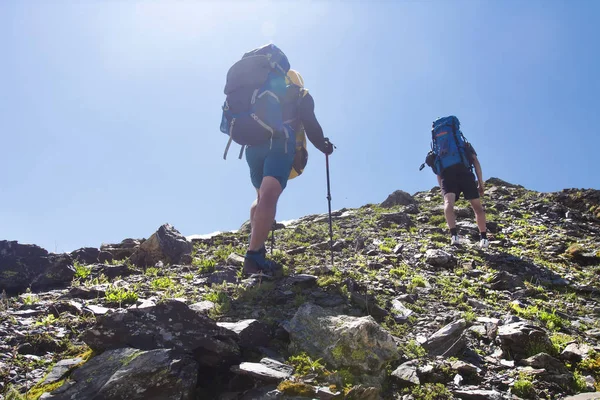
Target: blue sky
110,111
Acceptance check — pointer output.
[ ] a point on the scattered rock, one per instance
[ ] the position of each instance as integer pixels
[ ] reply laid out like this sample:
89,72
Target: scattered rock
400,311
342,341
123,250
26,265
166,245
170,324
576,352
505,281
477,394
407,373
60,369
91,255
266,370
251,332
399,218
235,259
398,198
519,339
131,374
448,341
438,258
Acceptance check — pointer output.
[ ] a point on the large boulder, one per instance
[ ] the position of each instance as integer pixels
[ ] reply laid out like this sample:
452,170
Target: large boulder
166,245
398,198
91,255
26,265
170,324
131,374
448,341
521,339
123,250
58,273
343,341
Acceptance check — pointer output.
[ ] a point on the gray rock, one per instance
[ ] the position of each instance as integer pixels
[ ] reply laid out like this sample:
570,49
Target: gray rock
25,265
262,393
85,293
58,273
411,209
302,280
224,274
398,198
368,304
60,369
399,218
477,394
576,352
91,255
341,340
447,341
505,281
123,250
203,307
166,245
584,396
407,373
519,339
464,212
251,332
547,362
111,271
438,258
132,374
235,259
170,324
97,310
246,227
595,333
464,368
360,392
267,370
400,311
398,248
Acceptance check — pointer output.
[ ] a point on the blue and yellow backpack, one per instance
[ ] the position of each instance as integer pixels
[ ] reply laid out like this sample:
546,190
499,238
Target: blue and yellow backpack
255,87
448,146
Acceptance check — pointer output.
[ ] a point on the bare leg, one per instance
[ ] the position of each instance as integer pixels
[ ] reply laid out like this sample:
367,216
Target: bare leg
263,214
253,208
479,214
449,200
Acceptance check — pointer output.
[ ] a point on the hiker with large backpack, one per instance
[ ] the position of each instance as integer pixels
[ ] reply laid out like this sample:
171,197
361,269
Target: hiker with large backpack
263,116
452,158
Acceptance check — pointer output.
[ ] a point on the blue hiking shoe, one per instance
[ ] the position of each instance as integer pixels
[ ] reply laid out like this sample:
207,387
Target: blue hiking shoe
255,263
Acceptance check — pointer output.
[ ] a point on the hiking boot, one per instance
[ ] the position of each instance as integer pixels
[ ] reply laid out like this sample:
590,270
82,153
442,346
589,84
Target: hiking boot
454,240
484,243
255,263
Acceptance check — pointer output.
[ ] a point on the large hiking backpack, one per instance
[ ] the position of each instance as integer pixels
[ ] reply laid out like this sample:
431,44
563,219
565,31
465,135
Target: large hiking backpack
448,145
252,113
291,120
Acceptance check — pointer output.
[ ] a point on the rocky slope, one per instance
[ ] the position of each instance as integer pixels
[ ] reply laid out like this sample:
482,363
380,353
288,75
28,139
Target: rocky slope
400,314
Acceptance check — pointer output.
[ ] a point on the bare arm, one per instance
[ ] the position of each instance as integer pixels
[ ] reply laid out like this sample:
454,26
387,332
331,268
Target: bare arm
311,125
439,178
479,174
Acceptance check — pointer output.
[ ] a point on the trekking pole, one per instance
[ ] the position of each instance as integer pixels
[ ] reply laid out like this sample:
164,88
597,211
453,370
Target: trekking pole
273,236
329,202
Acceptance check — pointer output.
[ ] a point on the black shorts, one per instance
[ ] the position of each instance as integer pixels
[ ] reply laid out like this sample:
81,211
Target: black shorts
459,179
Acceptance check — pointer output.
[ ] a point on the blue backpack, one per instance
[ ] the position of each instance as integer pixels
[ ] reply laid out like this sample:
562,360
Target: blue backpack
252,113
448,145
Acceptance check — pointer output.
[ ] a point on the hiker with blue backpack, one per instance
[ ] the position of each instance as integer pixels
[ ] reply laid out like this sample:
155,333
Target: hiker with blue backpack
267,111
452,158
